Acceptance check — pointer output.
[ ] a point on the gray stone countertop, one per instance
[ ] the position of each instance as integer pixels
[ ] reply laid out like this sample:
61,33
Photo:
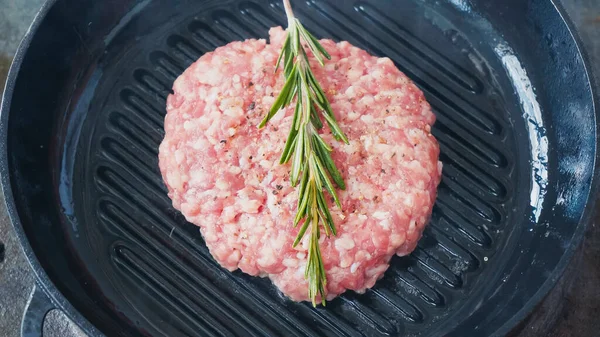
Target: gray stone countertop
571,310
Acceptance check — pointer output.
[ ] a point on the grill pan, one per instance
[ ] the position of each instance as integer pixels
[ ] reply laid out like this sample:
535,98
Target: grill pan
82,119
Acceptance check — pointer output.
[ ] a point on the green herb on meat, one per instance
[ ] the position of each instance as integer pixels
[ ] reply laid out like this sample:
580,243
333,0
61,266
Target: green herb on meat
312,166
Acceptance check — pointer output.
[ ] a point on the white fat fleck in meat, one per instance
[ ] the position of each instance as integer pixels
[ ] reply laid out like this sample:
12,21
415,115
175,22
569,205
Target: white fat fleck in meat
344,243
267,257
290,263
188,125
235,170
179,156
223,173
197,177
266,164
222,184
397,239
381,215
367,119
346,261
174,180
250,206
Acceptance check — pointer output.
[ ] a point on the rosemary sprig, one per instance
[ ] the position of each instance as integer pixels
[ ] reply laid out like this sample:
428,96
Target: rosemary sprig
312,165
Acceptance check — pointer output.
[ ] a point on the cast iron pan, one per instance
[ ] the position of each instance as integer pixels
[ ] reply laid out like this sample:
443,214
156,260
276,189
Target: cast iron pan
82,120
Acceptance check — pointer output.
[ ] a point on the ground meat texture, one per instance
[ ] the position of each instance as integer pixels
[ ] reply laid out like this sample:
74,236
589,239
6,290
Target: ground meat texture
223,174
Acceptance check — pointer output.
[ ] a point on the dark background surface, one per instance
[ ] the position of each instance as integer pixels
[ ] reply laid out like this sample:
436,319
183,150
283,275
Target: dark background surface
572,309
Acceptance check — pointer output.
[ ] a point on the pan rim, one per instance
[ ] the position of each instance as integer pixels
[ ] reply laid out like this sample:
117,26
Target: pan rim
62,303
592,200
42,281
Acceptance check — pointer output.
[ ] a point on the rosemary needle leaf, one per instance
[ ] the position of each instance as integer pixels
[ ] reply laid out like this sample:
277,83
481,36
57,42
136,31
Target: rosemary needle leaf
331,168
311,40
289,144
328,184
302,231
285,47
302,209
313,169
317,89
315,217
315,98
314,118
309,272
321,266
311,46
335,128
290,96
320,142
288,63
302,190
322,219
326,214
297,117
297,159
318,45
279,101
290,90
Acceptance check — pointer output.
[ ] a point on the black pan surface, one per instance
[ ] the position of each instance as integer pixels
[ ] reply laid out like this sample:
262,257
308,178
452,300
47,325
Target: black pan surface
82,120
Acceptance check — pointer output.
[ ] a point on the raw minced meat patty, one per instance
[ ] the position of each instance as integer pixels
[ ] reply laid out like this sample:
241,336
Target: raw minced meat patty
223,174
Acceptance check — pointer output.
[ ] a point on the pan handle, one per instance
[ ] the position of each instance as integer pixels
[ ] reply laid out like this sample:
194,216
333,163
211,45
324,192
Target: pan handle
38,306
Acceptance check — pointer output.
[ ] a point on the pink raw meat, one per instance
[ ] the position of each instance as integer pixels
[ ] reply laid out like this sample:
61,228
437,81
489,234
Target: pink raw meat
223,174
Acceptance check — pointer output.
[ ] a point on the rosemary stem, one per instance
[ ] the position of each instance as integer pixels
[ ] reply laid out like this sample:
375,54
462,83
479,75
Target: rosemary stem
289,12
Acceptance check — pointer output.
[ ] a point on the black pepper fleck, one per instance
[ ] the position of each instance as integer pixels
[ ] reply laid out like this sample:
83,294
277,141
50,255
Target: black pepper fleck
275,192
251,106
250,84
250,157
279,187
223,141
383,171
